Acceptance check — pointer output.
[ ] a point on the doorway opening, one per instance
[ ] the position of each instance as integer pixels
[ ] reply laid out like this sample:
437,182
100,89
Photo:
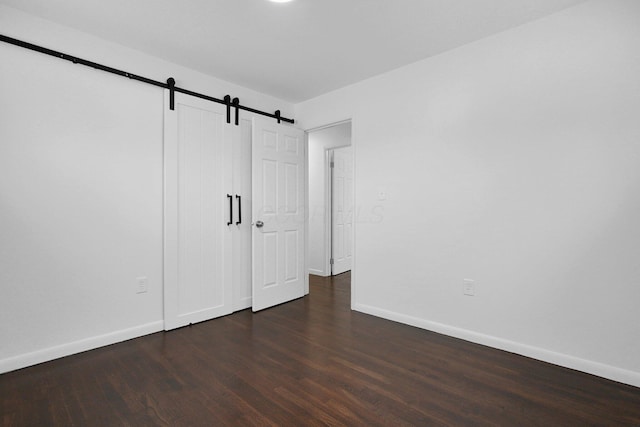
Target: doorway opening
331,172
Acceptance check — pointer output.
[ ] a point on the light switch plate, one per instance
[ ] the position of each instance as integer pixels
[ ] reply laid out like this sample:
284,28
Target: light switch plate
469,287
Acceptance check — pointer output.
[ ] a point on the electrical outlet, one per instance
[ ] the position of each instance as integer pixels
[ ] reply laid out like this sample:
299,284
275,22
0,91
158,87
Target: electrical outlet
143,285
469,287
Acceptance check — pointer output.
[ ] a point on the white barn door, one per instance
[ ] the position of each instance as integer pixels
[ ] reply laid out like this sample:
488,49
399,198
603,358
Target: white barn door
342,210
197,266
279,160
241,227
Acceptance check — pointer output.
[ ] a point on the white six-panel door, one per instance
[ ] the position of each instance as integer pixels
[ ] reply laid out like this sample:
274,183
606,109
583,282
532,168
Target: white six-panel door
342,210
197,265
279,205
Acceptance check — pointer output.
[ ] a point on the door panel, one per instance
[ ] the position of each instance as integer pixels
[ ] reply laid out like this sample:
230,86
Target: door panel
342,210
278,189
292,252
197,269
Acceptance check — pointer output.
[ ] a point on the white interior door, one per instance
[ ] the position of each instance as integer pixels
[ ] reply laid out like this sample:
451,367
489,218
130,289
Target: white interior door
197,283
279,250
342,210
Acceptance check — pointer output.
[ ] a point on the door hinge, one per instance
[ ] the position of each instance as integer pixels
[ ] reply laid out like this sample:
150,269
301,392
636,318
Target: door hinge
332,164
331,261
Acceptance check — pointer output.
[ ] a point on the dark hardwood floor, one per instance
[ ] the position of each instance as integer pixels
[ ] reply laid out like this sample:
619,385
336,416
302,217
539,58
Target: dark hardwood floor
308,362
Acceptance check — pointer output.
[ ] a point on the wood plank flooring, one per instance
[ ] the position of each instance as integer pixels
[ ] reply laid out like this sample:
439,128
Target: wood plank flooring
309,362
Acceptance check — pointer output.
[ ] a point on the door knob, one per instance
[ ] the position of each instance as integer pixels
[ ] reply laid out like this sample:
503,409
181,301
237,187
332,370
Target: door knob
259,224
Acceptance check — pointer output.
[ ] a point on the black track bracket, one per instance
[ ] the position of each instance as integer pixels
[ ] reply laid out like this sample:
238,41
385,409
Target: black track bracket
227,102
171,85
236,105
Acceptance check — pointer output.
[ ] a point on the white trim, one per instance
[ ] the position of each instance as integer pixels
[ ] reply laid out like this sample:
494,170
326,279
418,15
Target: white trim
328,214
330,125
317,272
588,366
51,353
307,216
354,241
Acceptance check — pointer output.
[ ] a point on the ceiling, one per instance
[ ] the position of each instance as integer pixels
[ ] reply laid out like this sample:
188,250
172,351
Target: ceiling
294,51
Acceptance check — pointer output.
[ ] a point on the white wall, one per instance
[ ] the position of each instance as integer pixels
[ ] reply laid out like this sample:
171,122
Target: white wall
513,161
81,191
319,142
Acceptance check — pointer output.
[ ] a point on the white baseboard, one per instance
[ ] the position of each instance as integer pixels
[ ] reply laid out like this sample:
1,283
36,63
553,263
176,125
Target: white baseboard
47,354
588,366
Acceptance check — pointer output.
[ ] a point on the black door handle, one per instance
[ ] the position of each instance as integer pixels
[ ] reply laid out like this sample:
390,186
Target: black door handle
239,221
230,209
